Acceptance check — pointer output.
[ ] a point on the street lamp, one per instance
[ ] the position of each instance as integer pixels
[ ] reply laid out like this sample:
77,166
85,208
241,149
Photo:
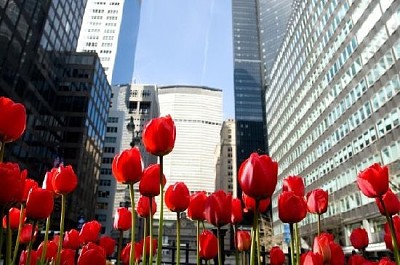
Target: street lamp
131,128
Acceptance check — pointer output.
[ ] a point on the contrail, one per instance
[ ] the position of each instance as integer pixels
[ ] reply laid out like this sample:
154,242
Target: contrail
206,42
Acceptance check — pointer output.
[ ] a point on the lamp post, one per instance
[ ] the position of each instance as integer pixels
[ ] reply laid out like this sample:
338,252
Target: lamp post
131,128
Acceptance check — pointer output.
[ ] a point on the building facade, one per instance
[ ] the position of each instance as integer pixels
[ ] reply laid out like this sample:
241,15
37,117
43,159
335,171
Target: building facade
100,31
132,106
333,107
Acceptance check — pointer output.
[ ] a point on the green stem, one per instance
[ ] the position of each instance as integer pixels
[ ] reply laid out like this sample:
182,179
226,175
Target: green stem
28,259
62,221
9,240
151,230
2,148
178,238
160,226
319,224
21,220
219,245
393,233
1,231
292,238
121,234
144,242
46,239
258,232
297,234
132,254
253,238
198,241
235,242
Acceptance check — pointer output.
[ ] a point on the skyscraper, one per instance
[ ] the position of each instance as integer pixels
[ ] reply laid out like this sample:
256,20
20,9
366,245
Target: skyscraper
333,107
100,31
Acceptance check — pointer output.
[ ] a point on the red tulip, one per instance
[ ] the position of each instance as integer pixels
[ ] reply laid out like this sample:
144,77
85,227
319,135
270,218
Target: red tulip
295,184
122,219
147,242
108,244
237,211
374,181
218,208
51,251
276,256
143,206
243,240
359,238
26,232
127,166
149,185
48,180
159,136
12,120
197,205
39,204
14,214
386,261
64,180
90,231
317,201
291,208
250,204
258,176
67,256
177,197
310,258
126,252
321,246
71,239
24,256
356,260
92,256
391,201
29,184
208,245
12,183
337,254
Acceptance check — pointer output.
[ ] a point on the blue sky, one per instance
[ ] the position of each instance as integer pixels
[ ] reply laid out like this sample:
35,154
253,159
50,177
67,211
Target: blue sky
180,42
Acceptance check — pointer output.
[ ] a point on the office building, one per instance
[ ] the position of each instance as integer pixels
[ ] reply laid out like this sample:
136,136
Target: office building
100,31
333,108
132,106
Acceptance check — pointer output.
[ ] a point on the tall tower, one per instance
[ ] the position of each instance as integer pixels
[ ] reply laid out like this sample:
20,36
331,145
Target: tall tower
100,31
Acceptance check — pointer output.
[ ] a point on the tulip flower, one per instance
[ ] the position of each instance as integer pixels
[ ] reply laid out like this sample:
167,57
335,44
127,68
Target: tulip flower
177,197
149,185
14,215
374,181
317,201
291,207
321,246
48,180
64,180
310,258
90,231
359,238
122,219
51,250
237,211
243,240
356,260
386,261
26,232
276,256
391,202
125,256
12,183
127,166
12,120
147,242
24,255
208,245
71,239
29,184
337,254
67,256
108,244
295,184
159,136
218,208
92,256
39,204
250,204
143,206
258,176
197,205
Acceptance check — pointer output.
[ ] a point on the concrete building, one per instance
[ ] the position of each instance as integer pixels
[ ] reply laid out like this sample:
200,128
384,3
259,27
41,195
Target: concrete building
333,107
100,30
130,103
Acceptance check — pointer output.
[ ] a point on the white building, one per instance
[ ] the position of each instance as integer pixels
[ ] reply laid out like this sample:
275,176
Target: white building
137,103
197,113
100,30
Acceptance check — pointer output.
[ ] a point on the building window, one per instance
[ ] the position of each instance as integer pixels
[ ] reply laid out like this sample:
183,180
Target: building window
105,182
112,129
109,150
